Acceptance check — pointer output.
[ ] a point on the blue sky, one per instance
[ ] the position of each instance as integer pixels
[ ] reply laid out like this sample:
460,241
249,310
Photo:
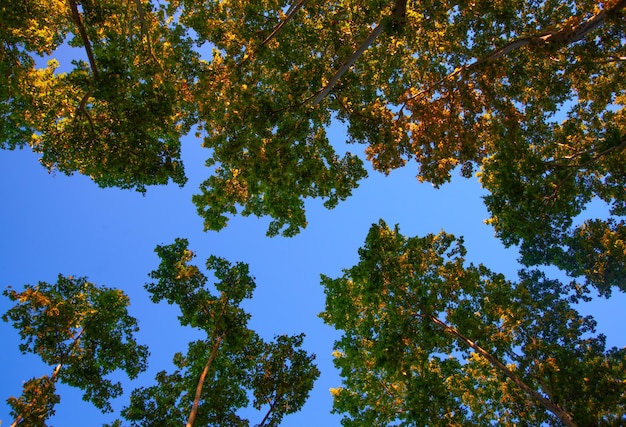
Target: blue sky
51,224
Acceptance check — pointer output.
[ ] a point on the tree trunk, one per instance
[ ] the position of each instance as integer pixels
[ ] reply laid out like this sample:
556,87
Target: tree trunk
205,371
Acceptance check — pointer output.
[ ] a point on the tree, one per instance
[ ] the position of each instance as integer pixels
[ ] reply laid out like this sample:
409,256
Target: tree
429,340
116,117
84,331
214,379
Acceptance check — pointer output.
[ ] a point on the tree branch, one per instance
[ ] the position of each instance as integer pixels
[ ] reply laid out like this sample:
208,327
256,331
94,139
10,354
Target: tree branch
558,186
546,403
290,14
269,412
83,110
144,30
603,153
346,66
55,373
83,35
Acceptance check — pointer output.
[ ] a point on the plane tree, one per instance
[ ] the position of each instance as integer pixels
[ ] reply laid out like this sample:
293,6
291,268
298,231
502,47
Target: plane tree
117,111
528,94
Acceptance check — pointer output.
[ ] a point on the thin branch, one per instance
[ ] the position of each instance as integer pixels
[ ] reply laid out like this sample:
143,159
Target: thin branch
346,66
269,412
144,29
609,150
613,58
582,166
82,109
291,12
83,35
546,403
55,373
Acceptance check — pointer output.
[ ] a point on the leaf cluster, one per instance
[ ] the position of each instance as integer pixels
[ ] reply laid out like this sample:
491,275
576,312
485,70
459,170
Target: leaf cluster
452,85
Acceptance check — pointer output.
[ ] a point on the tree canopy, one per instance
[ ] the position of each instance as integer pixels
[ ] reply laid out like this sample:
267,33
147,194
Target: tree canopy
469,85
429,340
116,116
526,96
217,375
81,329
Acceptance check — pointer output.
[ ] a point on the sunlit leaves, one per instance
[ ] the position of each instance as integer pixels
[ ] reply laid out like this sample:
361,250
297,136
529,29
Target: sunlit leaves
282,378
84,332
536,191
429,339
117,118
454,86
36,404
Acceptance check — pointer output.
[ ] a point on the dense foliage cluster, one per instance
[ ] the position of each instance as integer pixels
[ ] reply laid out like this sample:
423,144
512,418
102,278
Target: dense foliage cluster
84,331
430,340
527,95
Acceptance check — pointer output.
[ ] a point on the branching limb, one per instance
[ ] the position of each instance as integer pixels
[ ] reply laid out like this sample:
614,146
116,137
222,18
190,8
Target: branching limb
346,66
597,156
83,110
272,404
575,167
398,12
144,29
55,374
290,14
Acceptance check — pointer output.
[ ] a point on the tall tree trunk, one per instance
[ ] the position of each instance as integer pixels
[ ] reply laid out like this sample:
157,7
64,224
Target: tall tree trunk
205,371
